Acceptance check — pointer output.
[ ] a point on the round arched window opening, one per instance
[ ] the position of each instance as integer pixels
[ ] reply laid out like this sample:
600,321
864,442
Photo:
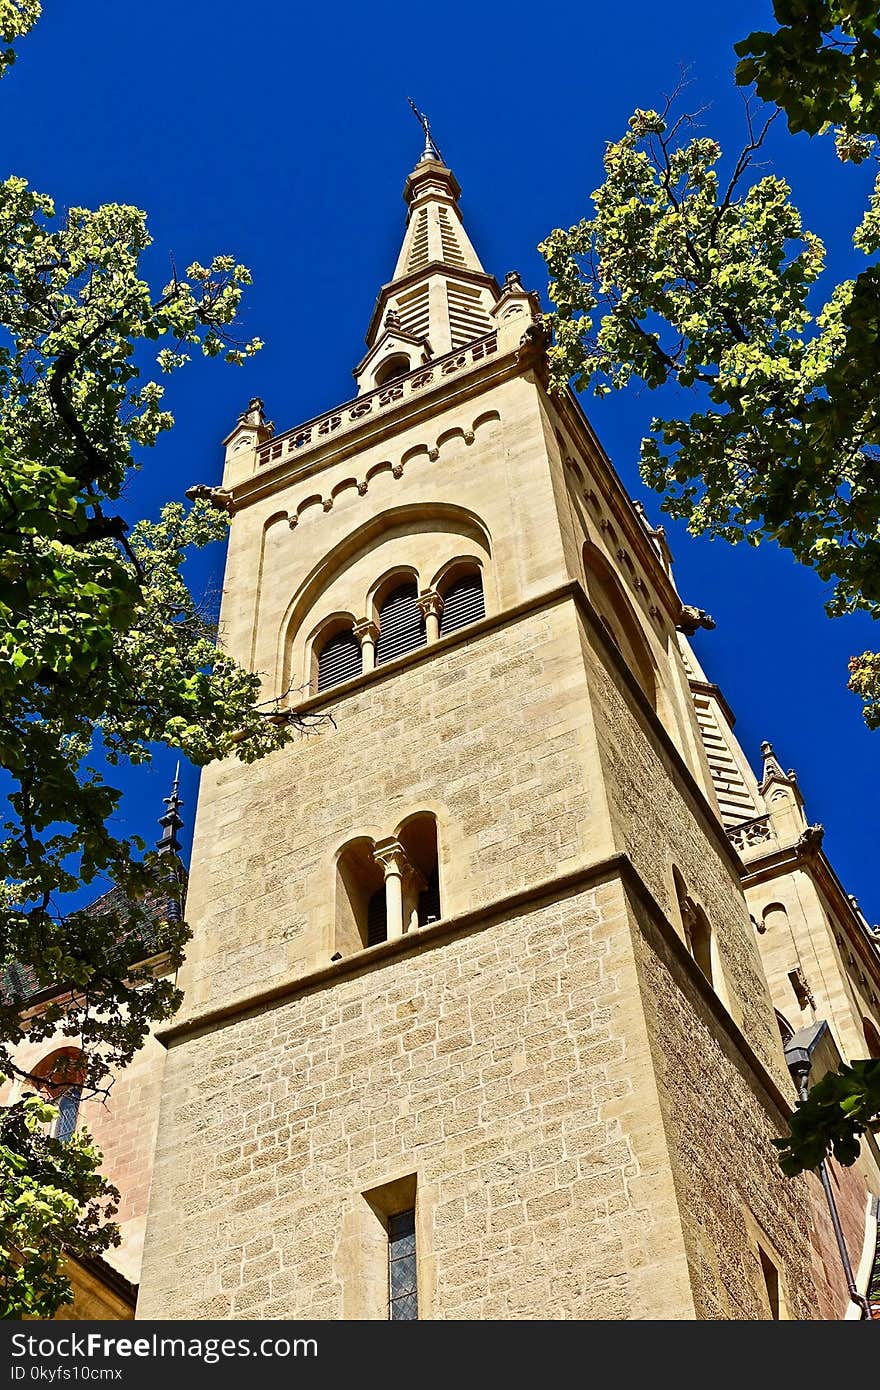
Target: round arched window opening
396,366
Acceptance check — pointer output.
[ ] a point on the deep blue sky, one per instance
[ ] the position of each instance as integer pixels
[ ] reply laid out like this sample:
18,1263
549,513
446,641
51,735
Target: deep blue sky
280,133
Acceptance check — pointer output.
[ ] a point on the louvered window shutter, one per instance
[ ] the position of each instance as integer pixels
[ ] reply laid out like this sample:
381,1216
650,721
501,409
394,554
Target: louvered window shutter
377,918
462,603
401,624
429,901
339,660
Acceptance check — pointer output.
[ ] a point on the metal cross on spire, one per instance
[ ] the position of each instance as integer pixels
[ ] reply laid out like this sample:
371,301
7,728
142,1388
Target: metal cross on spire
430,151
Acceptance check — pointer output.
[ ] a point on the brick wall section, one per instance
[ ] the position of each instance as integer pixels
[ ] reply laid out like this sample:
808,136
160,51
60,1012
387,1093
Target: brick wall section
507,1067
123,1126
850,1195
719,1125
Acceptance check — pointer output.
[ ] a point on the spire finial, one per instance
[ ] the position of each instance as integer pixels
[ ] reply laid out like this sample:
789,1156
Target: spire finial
430,151
171,822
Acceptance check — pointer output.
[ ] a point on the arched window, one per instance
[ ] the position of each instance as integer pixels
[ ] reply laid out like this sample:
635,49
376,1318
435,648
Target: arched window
872,1038
616,613
339,659
401,623
463,602
774,917
387,888
696,928
396,366
59,1077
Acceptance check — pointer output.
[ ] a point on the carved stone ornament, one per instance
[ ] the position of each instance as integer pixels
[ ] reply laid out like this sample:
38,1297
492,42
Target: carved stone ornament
532,351
691,619
811,839
433,455
218,497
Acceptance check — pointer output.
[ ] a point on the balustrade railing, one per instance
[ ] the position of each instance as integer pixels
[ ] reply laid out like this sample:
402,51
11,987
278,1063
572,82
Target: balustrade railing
346,416
750,833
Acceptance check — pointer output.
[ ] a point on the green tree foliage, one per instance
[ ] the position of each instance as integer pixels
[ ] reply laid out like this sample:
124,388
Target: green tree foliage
104,652
820,66
839,1108
17,18
52,1200
686,277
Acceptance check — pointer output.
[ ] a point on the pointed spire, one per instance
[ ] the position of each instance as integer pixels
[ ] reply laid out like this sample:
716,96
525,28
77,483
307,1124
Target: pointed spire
171,821
772,768
439,297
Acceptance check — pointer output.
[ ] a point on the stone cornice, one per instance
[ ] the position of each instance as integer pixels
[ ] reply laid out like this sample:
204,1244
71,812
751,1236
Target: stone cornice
713,692
428,938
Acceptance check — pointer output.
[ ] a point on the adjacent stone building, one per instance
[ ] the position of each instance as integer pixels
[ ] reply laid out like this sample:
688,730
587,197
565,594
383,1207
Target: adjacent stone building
491,977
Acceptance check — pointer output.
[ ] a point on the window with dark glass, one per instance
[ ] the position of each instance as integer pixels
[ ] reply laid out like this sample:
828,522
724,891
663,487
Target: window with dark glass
463,603
401,624
68,1110
339,659
403,1298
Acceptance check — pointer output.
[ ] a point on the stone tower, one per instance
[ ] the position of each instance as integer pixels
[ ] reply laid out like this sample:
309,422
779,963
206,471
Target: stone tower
475,1019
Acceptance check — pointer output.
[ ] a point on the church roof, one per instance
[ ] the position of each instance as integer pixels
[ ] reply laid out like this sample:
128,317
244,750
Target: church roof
20,985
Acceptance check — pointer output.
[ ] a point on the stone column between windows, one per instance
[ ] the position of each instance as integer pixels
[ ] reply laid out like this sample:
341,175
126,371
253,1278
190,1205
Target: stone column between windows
431,605
391,858
367,633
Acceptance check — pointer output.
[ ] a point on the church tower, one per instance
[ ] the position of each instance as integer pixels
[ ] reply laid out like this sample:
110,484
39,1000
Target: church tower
475,1021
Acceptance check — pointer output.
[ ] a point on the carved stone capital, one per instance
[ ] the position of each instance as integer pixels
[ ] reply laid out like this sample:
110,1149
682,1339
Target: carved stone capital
391,857
430,602
366,631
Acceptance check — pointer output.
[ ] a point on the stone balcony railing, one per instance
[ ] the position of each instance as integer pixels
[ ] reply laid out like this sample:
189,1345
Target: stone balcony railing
750,833
347,417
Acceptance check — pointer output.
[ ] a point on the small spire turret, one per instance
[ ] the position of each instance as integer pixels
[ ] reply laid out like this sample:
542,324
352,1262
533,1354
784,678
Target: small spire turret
171,821
772,768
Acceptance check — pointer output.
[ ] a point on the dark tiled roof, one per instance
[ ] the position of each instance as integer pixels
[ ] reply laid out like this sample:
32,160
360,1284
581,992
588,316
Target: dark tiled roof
19,983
